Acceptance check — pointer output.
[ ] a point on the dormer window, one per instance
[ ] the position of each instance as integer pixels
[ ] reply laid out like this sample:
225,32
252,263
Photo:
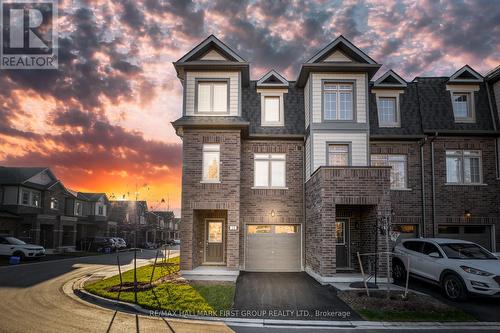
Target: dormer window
388,111
462,106
212,97
272,110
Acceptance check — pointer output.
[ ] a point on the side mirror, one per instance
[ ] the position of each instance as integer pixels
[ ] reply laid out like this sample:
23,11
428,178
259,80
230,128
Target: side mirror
434,255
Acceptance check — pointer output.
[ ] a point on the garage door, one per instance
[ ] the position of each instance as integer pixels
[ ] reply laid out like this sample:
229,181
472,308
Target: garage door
273,248
479,234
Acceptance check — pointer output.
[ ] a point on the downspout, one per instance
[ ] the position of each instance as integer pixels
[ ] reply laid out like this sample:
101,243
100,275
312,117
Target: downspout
491,106
303,231
433,187
422,171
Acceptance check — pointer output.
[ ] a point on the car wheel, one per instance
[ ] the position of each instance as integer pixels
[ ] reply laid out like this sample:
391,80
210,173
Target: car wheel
19,254
454,288
398,271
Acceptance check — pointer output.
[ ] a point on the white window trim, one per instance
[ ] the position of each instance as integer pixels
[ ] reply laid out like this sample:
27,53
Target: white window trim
272,93
30,199
212,81
465,89
209,181
269,159
54,199
76,208
462,183
389,94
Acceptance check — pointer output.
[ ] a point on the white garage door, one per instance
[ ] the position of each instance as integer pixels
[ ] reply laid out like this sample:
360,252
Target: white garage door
273,248
479,234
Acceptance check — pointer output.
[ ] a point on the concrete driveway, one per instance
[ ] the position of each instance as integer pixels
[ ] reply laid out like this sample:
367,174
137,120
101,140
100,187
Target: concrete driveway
288,296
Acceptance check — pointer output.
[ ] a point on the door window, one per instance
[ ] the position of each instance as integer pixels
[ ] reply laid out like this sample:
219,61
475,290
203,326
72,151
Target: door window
215,232
413,246
340,232
429,248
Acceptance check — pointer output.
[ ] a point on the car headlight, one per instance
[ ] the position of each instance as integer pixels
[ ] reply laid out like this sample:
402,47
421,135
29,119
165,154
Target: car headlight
475,271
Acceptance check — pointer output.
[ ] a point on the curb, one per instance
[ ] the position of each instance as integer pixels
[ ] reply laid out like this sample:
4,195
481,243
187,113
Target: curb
77,289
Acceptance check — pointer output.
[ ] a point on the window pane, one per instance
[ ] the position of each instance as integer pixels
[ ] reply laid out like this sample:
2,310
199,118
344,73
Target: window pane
271,109
215,232
220,97
204,91
26,198
35,199
211,165
330,105
345,106
278,173
471,170
338,155
339,232
387,110
453,169
461,105
261,176
286,229
259,229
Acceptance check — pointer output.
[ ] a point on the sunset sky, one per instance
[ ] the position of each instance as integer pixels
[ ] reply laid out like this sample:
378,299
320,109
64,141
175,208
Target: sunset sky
101,122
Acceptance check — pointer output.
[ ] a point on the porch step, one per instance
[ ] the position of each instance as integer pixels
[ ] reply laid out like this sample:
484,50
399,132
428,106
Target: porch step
210,274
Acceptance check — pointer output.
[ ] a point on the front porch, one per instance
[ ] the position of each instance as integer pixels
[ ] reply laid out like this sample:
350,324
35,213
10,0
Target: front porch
344,206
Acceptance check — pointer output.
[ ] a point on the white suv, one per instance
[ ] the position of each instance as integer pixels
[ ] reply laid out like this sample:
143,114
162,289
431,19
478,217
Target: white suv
11,246
458,266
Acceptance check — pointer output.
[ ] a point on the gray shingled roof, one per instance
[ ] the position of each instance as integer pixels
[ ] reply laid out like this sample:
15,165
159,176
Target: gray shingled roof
294,111
410,114
437,110
18,175
90,196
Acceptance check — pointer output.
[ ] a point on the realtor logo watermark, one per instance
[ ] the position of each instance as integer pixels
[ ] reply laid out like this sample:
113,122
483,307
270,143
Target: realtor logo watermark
29,34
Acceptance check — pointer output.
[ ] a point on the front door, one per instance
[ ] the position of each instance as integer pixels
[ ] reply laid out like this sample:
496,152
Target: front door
214,240
342,243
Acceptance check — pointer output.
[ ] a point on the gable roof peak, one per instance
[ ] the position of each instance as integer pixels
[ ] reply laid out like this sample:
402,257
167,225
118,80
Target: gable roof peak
272,79
346,46
390,79
211,42
466,74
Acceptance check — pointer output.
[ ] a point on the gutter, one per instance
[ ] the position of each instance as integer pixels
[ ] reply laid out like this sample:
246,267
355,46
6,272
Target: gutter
433,187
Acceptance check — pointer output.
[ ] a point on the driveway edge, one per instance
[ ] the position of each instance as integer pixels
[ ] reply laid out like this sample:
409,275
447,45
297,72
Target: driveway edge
75,287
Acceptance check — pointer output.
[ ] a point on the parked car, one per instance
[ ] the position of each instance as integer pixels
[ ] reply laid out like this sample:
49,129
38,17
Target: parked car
149,245
120,243
459,267
11,246
97,244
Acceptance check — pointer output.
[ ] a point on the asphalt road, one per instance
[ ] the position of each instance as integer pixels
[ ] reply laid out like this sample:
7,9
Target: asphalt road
32,300
481,308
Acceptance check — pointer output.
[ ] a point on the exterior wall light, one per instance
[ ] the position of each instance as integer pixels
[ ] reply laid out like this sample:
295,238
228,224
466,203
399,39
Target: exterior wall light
467,213
273,213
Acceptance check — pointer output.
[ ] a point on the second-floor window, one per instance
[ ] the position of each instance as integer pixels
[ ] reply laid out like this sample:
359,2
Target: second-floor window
78,208
387,111
463,167
338,101
398,168
211,163
338,154
270,170
54,203
100,210
31,198
212,97
462,106
272,111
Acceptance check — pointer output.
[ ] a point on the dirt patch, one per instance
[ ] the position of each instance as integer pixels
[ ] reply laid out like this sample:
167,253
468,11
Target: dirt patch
379,301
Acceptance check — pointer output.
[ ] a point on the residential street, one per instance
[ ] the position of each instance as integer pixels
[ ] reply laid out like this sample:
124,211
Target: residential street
33,300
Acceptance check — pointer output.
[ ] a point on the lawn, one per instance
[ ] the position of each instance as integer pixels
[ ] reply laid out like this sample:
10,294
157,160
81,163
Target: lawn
174,294
415,307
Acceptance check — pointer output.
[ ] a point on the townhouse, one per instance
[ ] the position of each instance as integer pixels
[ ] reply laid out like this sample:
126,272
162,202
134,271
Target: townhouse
299,175
37,208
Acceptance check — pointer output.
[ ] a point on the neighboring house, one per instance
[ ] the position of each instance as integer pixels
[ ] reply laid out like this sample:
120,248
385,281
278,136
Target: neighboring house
285,175
91,210
33,206
131,219
166,225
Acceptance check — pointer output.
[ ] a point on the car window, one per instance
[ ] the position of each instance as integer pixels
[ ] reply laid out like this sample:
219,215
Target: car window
14,241
466,251
429,248
413,245
3,241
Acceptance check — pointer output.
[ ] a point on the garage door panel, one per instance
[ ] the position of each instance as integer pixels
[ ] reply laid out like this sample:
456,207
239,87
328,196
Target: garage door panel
479,234
273,248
